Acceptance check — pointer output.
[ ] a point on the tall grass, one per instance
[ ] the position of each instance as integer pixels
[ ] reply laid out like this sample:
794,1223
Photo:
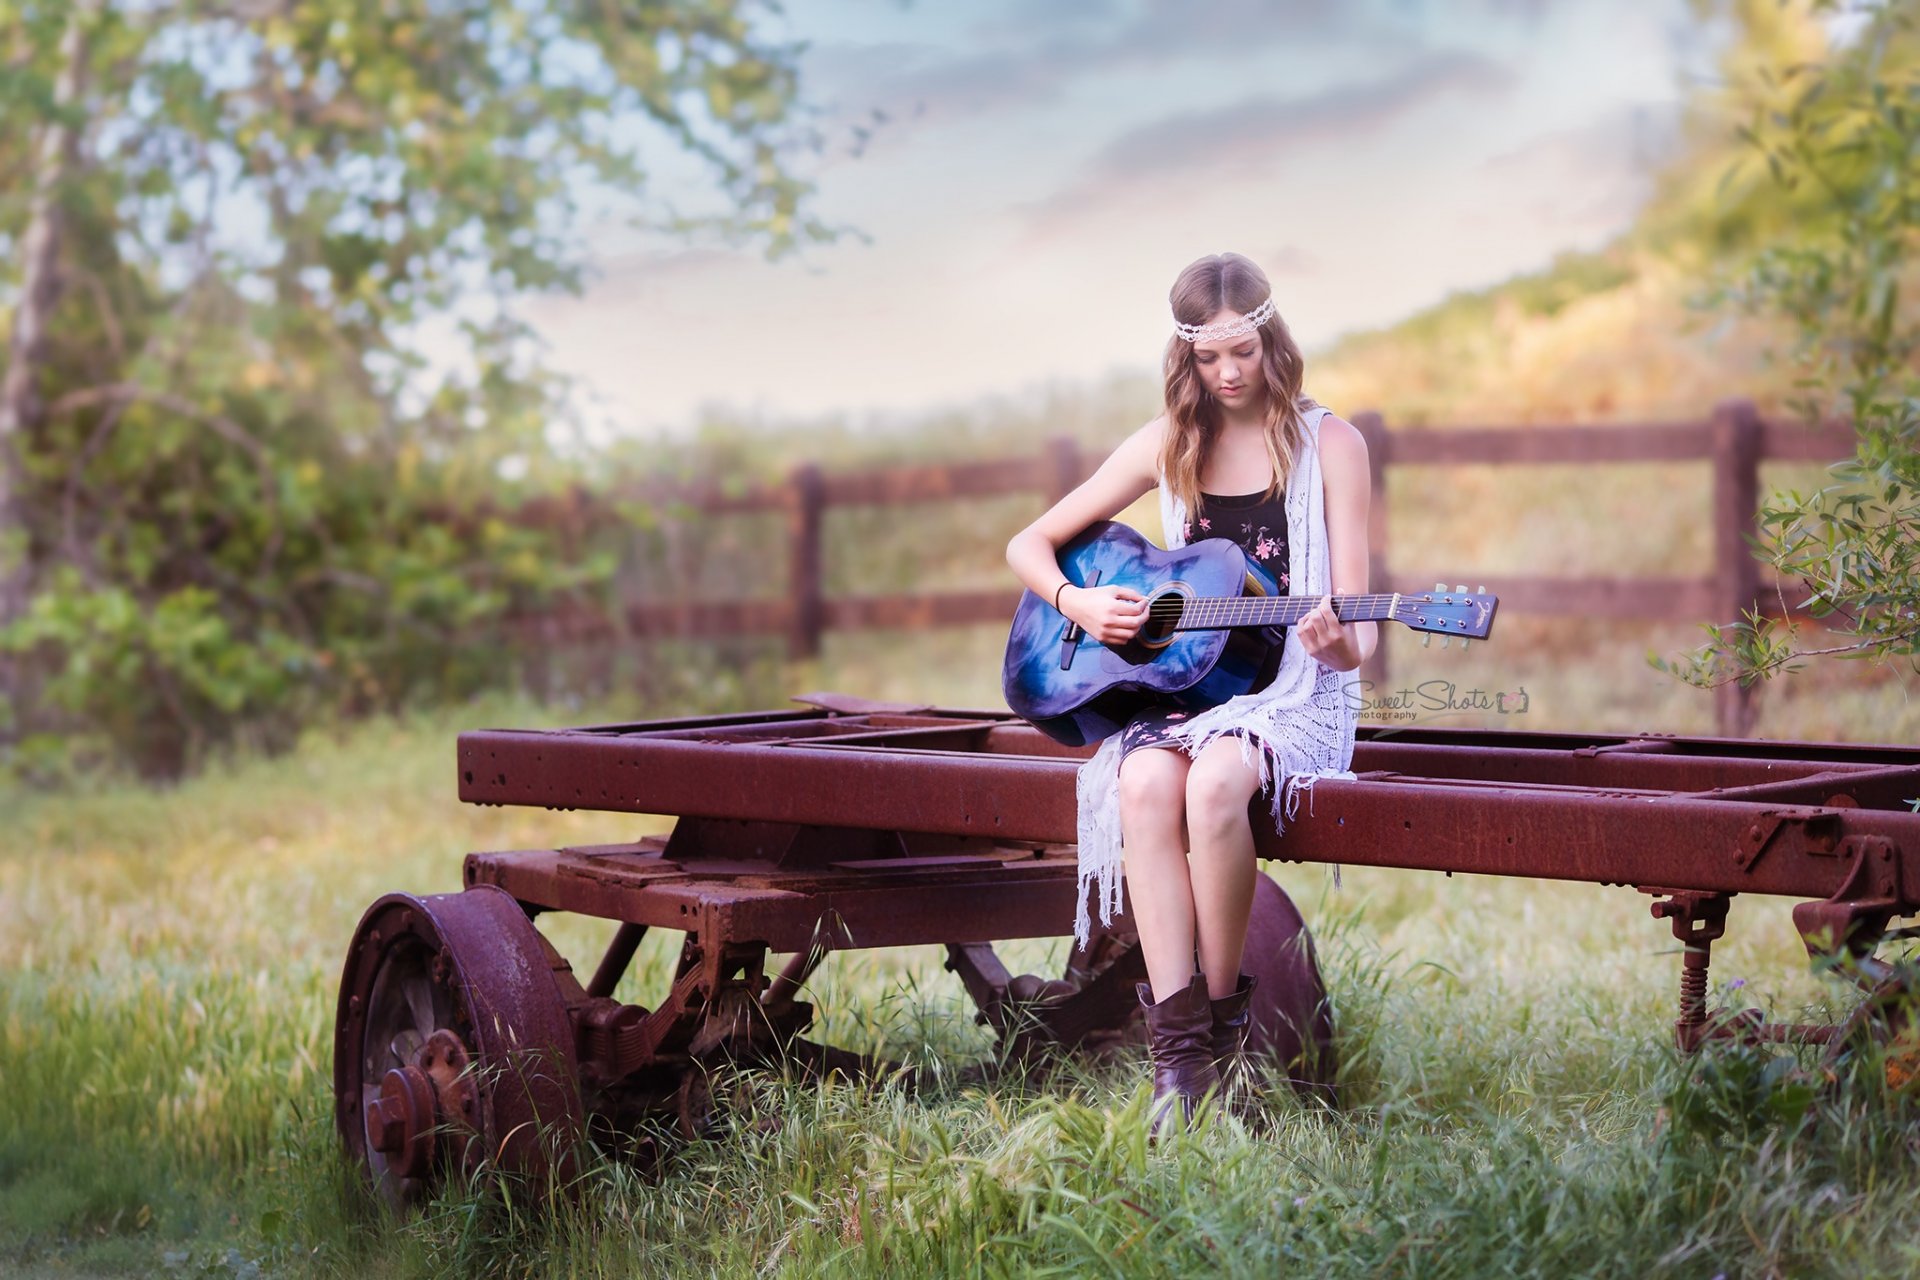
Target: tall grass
168,959
168,964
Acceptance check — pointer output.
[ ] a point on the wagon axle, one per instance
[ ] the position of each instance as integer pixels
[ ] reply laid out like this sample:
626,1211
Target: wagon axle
1842,932
418,1101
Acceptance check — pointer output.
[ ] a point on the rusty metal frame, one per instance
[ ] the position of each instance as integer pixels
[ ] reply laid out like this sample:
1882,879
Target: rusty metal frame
854,824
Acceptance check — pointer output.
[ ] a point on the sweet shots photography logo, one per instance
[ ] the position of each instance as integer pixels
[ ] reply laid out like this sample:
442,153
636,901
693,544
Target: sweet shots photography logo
1434,700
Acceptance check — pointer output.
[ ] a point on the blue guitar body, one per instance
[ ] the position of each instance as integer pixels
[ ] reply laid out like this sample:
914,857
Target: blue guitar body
1076,690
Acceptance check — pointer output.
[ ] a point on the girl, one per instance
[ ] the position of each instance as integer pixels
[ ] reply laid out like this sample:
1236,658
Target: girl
1240,453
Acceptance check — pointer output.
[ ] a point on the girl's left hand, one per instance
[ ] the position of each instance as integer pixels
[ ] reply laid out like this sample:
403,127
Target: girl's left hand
1327,638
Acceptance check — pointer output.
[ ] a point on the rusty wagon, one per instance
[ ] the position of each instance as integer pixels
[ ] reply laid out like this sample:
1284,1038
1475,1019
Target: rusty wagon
463,1035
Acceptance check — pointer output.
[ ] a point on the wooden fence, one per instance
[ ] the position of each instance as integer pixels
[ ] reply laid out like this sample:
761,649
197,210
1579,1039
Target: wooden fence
1734,440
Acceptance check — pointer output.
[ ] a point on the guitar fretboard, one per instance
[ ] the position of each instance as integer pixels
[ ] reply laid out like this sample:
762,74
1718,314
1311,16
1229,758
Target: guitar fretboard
1215,613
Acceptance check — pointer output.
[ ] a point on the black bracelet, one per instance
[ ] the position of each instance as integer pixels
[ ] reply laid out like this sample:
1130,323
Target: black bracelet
1056,595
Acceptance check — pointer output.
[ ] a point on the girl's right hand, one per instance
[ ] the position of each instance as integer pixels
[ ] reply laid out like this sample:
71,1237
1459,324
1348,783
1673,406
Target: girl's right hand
1111,615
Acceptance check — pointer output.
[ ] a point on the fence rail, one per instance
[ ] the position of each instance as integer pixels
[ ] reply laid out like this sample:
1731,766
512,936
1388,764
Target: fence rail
1734,440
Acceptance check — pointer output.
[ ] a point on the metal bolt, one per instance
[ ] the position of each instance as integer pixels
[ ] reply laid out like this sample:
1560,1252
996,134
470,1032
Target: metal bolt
385,1131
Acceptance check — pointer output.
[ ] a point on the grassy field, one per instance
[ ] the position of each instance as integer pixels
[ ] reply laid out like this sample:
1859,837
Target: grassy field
169,959
168,963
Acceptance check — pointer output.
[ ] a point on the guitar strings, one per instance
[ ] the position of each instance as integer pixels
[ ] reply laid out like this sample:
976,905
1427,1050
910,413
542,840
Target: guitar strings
1205,601
1220,612
1263,604
1239,606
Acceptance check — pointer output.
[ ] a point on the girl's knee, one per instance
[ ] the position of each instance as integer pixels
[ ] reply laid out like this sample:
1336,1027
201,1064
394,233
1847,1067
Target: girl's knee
1218,788
1153,787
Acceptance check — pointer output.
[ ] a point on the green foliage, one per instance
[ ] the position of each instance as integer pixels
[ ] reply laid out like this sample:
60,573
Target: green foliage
249,496
1716,201
1734,1091
1843,133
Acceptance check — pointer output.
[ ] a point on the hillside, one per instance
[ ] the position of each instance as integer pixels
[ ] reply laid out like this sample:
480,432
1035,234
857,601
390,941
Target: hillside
1612,336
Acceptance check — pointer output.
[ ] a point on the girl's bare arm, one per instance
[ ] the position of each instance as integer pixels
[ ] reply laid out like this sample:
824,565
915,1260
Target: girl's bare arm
1111,615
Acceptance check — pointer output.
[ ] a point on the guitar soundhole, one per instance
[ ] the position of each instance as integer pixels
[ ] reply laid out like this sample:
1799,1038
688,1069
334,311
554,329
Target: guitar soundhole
1163,615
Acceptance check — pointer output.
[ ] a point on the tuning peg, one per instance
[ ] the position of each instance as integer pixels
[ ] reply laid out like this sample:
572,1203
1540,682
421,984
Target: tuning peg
1439,586
1464,642
1426,640
1445,641
1480,590
1462,588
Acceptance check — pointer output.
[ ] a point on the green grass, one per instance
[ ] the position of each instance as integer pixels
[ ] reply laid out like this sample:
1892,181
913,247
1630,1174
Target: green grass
168,962
169,959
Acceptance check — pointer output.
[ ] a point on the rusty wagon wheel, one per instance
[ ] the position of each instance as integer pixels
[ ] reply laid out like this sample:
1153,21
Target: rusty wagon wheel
1292,1028
452,1046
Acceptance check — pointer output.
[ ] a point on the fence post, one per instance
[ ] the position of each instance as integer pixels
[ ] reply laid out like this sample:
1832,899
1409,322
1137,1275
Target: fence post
1373,428
1736,500
805,614
1062,467
536,663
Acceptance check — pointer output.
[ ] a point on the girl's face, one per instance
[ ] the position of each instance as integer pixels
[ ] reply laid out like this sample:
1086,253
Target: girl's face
1230,367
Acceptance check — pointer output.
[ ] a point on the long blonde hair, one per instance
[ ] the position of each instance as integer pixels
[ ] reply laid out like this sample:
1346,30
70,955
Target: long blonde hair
1227,280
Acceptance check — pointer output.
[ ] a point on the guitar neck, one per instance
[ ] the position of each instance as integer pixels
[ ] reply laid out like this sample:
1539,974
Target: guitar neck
1217,613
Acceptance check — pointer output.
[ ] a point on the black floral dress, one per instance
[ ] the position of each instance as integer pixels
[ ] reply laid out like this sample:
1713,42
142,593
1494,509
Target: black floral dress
1259,524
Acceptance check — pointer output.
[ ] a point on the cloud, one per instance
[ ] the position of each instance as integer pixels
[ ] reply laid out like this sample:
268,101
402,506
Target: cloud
1257,130
1178,28
1037,56
661,267
1056,15
1596,175
1640,135
1289,260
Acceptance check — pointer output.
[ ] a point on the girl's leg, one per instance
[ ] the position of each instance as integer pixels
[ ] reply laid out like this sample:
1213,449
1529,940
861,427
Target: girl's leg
1219,785
1153,790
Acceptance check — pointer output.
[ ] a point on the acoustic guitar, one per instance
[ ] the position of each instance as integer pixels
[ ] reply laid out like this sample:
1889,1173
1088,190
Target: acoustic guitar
1201,643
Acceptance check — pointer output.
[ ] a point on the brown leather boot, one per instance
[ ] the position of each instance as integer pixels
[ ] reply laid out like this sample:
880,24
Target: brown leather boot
1180,1030
1232,1021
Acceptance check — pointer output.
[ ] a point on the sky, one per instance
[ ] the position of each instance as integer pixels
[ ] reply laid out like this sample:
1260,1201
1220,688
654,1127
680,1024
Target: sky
1039,172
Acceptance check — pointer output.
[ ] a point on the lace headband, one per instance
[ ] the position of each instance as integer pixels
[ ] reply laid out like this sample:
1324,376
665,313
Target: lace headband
1231,329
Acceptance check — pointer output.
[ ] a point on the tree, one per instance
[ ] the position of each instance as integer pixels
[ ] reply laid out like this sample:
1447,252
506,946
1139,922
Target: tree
232,491
1841,134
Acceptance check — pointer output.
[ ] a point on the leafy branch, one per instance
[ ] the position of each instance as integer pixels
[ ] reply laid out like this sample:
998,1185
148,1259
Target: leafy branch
235,492
1844,133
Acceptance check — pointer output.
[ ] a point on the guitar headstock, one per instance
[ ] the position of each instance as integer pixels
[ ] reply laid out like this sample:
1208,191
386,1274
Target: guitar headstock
1449,612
